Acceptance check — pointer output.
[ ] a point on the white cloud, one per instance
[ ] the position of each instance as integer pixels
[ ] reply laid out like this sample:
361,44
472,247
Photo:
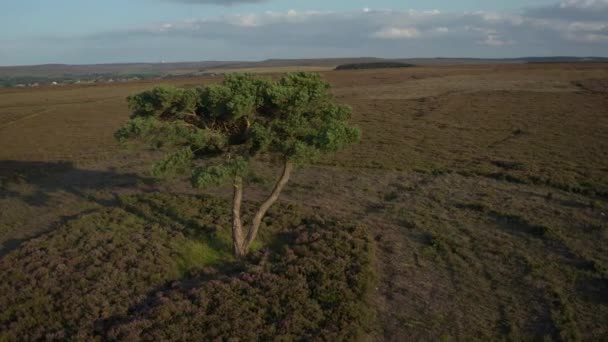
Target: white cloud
589,32
246,20
572,10
586,4
570,27
351,28
494,40
397,33
436,32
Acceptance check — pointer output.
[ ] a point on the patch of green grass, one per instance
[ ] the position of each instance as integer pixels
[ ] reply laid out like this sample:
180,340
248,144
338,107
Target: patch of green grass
194,254
316,287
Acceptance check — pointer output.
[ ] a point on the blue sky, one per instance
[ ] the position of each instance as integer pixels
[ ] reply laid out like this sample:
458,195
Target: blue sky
31,18
90,31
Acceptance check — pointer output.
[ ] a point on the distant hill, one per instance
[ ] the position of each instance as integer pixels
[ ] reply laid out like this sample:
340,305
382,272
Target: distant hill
66,74
374,65
564,59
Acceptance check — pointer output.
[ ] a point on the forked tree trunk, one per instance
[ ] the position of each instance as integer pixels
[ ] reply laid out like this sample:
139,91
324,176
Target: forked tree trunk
237,226
274,196
242,245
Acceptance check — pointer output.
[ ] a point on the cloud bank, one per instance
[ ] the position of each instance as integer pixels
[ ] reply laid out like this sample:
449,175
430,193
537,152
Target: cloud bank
573,10
567,26
570,27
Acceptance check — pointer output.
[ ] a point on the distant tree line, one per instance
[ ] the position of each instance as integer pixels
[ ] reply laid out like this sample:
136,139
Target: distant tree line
373,65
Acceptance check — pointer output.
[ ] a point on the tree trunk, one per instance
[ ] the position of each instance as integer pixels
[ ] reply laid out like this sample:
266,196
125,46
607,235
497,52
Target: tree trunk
257,219
237,226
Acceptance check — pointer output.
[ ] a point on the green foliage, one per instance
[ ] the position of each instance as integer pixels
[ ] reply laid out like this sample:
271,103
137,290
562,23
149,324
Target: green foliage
175,134
135,128
170,135
213,175
239,96
238,120
174,163
163,101
302,122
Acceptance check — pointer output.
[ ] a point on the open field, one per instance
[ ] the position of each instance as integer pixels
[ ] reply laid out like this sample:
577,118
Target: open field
478,196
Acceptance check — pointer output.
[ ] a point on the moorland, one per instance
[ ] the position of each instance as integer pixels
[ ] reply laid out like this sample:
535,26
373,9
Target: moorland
474,207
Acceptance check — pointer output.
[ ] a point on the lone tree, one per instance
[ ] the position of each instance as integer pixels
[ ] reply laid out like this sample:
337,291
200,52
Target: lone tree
215,132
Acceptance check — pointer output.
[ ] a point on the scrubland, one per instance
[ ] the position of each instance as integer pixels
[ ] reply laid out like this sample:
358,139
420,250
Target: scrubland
474,207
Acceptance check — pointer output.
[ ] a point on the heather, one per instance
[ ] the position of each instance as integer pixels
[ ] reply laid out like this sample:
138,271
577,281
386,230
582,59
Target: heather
113,271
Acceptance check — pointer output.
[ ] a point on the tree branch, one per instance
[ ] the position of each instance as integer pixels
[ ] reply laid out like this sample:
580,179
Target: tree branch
257,220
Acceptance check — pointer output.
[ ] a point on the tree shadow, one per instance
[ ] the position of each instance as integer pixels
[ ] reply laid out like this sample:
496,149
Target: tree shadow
36,182
13,244
51,177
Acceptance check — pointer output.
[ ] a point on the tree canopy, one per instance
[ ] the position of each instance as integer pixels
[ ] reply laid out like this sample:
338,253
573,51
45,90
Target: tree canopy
215,131
292,119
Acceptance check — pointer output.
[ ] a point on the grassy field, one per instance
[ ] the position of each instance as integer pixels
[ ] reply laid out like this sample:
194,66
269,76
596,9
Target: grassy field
477,199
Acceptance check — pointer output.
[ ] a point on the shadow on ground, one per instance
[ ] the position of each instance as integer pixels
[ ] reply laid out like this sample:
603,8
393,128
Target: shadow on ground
38,184
49,177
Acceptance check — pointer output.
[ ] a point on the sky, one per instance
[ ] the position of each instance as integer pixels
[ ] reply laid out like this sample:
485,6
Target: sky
115,31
